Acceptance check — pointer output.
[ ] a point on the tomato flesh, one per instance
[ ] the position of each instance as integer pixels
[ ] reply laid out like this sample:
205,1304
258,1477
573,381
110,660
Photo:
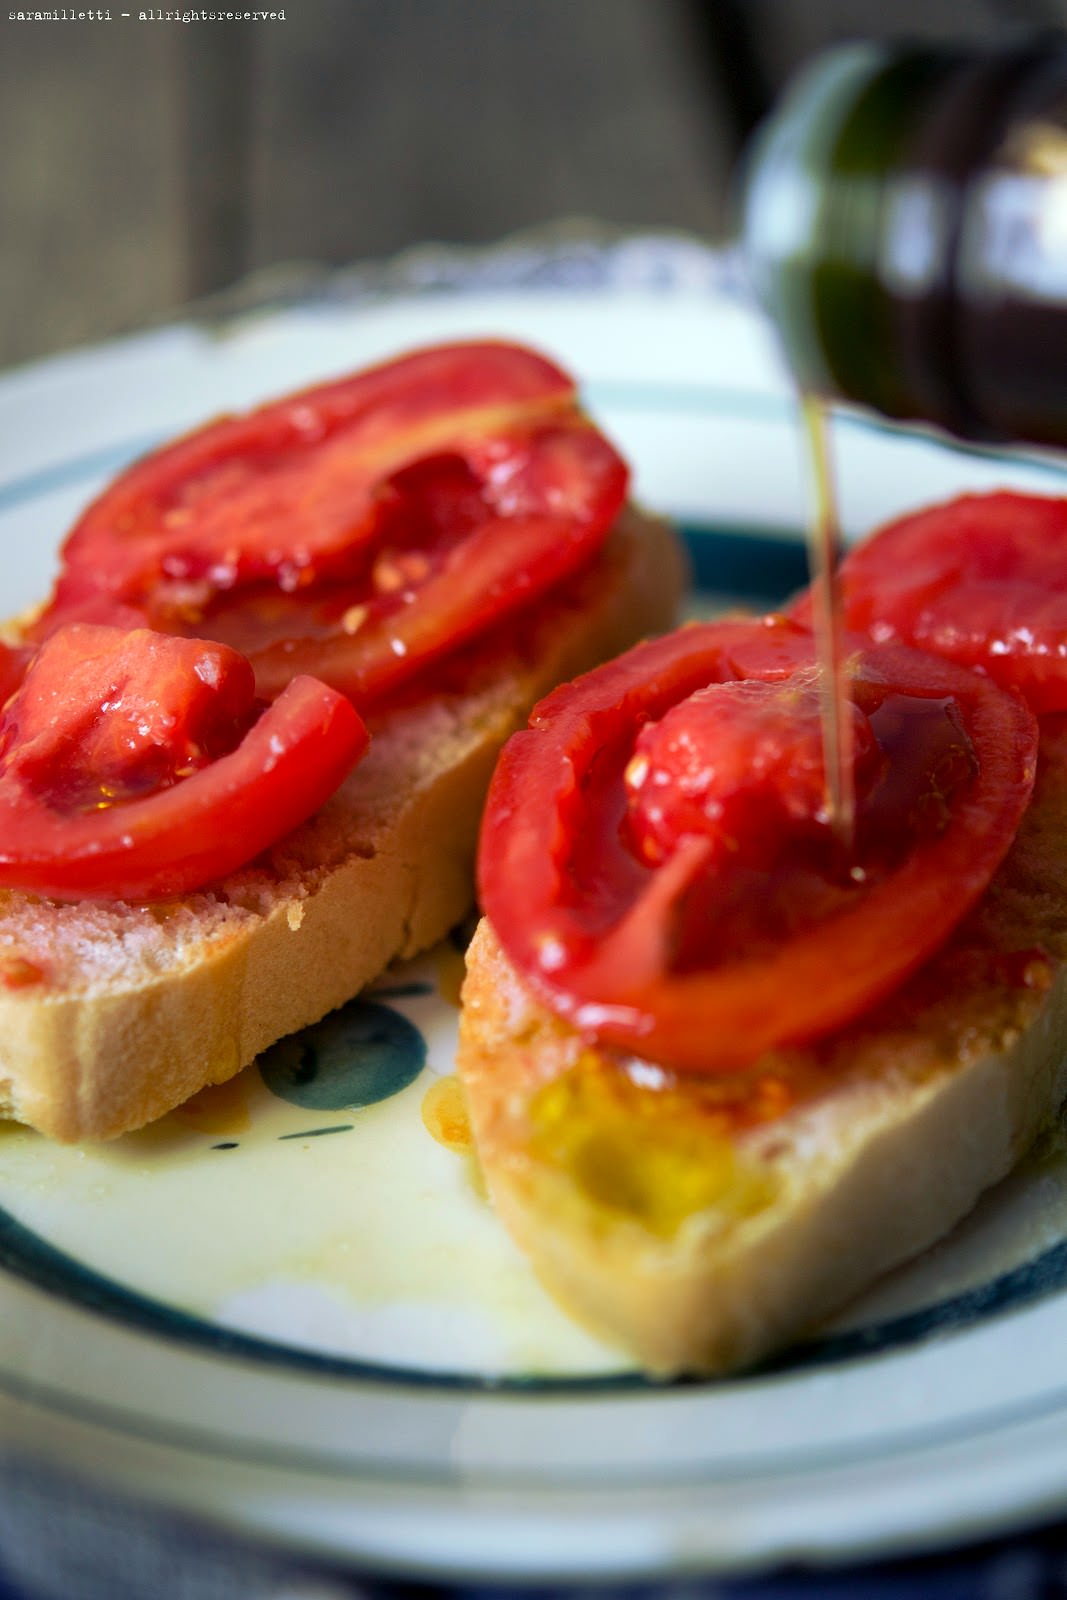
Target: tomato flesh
105,715
290,489
359,530
981,580
13,663
655,930
739,764
477,559
134,765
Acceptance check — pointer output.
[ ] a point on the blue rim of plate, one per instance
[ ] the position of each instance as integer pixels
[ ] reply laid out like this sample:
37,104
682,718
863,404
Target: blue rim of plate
749,562
26,1255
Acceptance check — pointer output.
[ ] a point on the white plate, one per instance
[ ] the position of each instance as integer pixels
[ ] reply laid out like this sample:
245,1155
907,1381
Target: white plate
302,1319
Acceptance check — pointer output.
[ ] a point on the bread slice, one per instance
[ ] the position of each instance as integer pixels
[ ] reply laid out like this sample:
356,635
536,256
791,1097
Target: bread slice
703,1222
111,1014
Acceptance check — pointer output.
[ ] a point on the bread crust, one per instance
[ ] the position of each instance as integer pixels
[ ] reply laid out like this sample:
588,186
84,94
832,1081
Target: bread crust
110,1015
703,1223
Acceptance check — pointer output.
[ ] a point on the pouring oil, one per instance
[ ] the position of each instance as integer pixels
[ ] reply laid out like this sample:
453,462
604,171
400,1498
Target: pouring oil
824,551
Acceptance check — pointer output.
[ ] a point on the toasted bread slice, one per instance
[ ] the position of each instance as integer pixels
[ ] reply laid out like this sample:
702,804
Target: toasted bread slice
703,1222
111,1014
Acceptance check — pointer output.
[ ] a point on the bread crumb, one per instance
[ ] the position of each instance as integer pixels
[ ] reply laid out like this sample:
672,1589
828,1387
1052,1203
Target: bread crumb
294,915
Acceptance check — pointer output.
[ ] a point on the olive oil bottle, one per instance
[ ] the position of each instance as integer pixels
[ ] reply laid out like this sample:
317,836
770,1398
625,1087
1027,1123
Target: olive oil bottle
905,225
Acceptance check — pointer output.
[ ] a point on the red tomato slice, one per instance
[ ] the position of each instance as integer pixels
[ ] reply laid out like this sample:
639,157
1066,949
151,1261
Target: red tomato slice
360,529
701,954
13,662
562,489
981,580
739,763
132,765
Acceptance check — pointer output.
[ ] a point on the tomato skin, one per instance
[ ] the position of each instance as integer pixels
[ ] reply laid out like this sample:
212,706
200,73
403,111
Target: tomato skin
297,502
598,944
60,838
981,580
13,662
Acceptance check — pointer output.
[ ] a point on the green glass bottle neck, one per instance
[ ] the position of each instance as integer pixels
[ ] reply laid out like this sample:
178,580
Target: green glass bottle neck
851,304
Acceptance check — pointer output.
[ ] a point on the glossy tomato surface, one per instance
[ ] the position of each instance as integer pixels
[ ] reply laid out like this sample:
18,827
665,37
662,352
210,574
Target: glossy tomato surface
981,580
134,765
659,862
358,530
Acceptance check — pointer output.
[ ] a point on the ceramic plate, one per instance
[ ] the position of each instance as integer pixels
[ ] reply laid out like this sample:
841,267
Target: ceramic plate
288,1307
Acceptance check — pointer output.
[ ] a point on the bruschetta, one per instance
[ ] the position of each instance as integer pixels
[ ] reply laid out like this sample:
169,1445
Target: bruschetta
245,744
725,1065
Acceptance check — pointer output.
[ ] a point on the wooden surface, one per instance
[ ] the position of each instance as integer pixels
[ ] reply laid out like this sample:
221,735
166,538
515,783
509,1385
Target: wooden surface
149,162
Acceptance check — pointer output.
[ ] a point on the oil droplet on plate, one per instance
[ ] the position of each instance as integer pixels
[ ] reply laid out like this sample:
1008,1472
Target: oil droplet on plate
444,1112
444,1115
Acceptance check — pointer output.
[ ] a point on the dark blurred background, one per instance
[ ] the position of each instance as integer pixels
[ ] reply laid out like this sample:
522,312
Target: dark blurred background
145,164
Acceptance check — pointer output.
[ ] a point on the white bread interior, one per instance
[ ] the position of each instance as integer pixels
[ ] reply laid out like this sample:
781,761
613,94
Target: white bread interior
701,1223
112,1014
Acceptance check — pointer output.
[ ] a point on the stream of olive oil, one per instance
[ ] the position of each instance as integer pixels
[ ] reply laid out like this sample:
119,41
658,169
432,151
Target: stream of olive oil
824,550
